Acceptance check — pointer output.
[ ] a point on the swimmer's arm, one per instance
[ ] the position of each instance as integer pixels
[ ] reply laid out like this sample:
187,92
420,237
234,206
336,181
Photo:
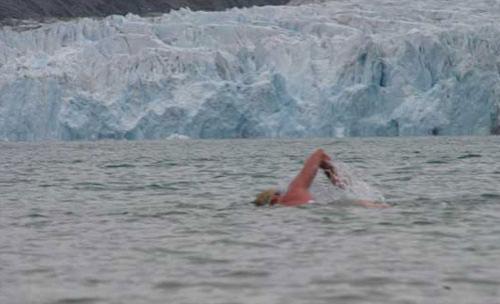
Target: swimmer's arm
370,204
331,174
306,176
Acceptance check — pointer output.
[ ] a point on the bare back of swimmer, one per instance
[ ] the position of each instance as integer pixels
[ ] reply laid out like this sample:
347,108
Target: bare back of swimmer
298,191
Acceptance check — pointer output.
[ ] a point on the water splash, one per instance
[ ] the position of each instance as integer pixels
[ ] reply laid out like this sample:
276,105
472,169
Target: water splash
356,188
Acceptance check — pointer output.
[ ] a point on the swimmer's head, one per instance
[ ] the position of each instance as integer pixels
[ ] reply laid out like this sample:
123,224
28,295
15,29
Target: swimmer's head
268,197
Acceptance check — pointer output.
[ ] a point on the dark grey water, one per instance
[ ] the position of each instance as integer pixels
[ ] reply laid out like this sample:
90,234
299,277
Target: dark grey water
170,222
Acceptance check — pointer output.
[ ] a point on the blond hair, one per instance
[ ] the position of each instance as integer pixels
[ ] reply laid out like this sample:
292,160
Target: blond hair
265,197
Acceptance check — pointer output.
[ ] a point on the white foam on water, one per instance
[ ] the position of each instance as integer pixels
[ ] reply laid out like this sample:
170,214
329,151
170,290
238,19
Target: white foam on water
323,191
356,188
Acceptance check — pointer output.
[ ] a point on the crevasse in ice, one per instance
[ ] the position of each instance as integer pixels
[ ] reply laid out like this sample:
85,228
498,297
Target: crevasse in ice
338,68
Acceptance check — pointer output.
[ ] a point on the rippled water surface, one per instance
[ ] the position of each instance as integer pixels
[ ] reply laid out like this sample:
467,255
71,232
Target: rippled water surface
170,222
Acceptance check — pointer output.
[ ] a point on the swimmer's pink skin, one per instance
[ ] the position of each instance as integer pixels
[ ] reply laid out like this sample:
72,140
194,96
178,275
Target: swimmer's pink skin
298,190
370,204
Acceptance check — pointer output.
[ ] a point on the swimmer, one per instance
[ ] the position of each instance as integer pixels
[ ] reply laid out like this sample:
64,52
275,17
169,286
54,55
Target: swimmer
298,190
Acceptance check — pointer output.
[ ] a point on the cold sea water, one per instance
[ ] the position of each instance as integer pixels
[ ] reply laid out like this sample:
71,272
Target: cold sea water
171,222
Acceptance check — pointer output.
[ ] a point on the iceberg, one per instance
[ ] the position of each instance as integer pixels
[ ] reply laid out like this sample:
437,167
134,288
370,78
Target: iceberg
307,69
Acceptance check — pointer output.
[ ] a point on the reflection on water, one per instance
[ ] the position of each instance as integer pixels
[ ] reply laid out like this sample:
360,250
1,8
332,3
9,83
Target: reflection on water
170,221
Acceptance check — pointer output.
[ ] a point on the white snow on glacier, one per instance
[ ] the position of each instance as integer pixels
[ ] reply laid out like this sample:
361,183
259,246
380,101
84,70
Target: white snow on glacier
331,68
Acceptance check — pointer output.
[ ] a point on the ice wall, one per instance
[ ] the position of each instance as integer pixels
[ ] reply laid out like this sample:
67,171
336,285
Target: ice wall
340,68
40,9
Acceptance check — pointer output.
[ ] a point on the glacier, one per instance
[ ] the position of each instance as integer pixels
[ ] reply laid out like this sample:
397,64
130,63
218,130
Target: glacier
11,11
307,69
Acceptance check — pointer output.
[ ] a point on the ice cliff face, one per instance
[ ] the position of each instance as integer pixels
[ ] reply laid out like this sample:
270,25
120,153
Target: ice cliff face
342,68
38,9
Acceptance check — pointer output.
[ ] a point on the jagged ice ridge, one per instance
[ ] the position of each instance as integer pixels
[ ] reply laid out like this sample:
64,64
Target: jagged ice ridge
342,68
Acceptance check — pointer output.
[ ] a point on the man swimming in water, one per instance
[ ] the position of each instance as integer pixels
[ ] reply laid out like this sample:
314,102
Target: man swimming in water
298,190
